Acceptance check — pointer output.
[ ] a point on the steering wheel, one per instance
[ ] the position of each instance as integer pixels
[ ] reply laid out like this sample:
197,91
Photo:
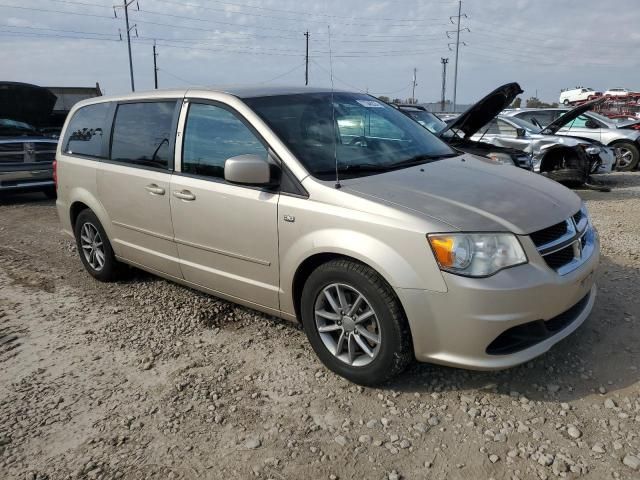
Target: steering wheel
359,140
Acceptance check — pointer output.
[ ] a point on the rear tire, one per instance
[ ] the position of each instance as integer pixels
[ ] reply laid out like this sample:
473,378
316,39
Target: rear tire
95,249
566,102
365,295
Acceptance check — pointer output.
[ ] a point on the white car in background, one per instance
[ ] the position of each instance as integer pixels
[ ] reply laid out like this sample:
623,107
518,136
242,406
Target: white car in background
578,95
617,92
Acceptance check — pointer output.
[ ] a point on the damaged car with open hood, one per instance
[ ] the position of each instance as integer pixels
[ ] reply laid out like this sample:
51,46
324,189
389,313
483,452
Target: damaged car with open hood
481,130
476,116
26,154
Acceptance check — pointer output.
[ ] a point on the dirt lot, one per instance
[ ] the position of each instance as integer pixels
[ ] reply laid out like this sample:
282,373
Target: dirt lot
146,379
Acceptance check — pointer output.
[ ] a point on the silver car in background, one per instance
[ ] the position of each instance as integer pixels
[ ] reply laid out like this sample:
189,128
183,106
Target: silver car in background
333,209
580,122
563,158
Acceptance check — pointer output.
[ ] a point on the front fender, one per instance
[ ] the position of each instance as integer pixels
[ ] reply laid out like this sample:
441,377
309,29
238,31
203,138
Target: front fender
395,264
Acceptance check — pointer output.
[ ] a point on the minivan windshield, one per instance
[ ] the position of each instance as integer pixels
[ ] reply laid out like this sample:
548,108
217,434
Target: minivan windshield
357,133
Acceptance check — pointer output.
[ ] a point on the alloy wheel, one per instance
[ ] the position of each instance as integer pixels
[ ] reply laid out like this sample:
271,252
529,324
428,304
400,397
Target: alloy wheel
92,246
347,324
626,157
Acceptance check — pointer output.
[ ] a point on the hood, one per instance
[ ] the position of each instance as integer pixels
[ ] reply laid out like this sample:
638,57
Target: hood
481,113
471,194
25,102
571,115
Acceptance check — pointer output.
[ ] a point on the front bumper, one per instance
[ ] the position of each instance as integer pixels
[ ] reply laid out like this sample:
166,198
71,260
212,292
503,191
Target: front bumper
457,327
26,177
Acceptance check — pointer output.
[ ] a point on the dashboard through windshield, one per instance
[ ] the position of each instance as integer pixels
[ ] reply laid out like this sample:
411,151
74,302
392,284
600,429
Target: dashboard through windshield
366,136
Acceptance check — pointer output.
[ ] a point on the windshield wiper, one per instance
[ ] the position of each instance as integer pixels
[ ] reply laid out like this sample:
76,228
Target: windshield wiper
418,159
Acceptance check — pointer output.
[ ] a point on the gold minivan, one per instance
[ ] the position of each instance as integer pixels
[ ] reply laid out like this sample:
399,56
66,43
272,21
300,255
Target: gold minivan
333,209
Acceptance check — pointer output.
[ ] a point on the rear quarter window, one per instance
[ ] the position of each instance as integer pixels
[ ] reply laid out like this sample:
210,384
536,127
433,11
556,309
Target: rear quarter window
87,131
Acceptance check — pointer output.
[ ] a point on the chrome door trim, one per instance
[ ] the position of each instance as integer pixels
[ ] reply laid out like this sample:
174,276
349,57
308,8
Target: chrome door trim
143,230
265,263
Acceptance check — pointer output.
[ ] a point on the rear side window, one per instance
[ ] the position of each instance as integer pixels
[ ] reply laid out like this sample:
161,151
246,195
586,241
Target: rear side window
142,134
87,130
212,135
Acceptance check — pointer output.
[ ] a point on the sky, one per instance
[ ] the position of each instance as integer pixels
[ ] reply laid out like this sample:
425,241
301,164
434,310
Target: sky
372,45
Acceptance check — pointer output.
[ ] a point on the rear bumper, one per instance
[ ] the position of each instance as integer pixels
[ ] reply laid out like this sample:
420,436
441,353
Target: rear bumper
30,177
462,326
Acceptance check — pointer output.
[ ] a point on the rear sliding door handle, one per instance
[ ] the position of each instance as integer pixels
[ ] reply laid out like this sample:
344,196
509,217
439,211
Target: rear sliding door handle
154,189
184,195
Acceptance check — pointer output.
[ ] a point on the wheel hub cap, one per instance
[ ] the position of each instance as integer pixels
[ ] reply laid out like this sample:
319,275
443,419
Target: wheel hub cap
347,324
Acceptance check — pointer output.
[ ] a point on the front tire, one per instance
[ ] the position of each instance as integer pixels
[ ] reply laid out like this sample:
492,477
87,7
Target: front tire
566,102
355,323
630,156
95,249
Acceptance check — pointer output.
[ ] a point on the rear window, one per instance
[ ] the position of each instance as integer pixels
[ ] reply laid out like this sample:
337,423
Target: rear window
87,130
142,134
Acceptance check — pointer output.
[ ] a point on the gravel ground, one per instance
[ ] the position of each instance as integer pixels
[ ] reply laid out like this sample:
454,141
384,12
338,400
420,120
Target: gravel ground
147,379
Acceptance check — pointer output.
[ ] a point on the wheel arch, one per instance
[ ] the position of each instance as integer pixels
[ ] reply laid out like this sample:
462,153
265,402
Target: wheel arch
81,199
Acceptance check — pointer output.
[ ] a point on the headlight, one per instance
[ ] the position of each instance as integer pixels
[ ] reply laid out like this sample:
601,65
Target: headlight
503,158
476,254
593,150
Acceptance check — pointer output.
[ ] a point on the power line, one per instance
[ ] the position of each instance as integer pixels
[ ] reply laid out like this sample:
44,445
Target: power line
61,30
46,35
290,12
45,10
175,76
282,74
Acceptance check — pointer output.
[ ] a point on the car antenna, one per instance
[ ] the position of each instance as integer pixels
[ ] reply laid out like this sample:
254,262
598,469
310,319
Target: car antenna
333,113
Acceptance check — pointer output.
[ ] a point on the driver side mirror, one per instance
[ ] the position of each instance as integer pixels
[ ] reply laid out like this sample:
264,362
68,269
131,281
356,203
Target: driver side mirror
251,169
521,132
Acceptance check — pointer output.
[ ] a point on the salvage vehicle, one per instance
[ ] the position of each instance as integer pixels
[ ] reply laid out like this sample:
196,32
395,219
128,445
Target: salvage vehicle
580,122
333,209
565,159
480,113
26,154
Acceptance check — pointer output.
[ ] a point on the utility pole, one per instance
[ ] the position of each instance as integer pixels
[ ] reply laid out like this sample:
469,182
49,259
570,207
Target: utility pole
155,66
444,62
457,32
306,61
126,4
413,92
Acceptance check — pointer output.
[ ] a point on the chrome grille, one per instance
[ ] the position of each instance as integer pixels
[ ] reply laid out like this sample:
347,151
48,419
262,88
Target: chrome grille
27,152
566,245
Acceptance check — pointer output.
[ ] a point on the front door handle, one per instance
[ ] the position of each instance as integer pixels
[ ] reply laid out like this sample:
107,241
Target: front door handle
184,195
154,189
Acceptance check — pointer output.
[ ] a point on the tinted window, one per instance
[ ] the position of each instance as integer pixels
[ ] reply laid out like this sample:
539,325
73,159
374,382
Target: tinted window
355,132
142,134
212,135
86,130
